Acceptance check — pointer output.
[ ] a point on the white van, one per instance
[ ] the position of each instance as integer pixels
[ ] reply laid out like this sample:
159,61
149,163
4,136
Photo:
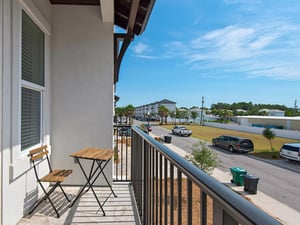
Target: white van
291,151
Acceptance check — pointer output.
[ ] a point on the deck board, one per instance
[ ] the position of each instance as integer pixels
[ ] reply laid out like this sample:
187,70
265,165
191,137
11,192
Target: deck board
118,210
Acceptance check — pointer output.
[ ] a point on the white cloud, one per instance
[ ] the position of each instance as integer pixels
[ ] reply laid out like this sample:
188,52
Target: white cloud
233,42
140,48
262,42
254,51
229,2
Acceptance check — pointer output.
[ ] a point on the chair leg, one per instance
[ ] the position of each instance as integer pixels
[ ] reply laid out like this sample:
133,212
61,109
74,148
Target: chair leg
47,196
64,193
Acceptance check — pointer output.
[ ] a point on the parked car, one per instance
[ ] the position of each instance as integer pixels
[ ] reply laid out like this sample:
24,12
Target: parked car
148,127
124,131
233,143
290,151
181,131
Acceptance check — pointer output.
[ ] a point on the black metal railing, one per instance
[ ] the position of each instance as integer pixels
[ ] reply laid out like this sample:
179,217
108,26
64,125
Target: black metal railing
170,190
122,150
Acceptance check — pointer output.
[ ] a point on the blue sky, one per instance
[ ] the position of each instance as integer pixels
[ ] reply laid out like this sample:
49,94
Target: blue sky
224,50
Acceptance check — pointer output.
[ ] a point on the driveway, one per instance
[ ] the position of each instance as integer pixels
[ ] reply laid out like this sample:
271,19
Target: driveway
277,178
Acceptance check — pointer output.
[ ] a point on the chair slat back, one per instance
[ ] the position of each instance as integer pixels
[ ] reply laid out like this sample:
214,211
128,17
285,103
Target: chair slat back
38,154
36,150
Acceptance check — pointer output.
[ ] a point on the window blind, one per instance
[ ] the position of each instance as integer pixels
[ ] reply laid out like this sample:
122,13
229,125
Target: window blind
32,51
31,118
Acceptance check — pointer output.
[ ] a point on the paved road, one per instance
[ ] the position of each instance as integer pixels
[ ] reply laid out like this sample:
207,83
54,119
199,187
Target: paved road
280,179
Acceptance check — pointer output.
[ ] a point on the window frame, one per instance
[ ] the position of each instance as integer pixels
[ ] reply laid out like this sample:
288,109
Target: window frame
35,87
19,162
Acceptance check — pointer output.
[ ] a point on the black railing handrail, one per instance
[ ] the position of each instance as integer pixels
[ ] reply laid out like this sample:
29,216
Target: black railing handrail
210,185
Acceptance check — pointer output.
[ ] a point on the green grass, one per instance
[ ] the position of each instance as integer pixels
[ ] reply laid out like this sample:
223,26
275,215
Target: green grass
262,147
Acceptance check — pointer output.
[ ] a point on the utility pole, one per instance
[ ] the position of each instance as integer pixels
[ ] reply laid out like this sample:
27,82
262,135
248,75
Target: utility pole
295,108
201,117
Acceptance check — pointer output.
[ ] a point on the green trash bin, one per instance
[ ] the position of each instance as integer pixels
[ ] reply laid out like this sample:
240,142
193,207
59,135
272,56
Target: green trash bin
238,175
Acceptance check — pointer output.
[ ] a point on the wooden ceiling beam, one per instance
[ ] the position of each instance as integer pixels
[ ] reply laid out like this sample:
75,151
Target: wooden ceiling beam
75,2
132,16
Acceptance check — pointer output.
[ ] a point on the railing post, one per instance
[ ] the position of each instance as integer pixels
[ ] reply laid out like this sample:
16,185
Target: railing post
156,187
166,191
189,202
160,188
228,220
171,193
218,214
145,184
179,197
203,211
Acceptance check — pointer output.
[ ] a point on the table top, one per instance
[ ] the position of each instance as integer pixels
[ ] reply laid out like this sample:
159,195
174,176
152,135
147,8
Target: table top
94,153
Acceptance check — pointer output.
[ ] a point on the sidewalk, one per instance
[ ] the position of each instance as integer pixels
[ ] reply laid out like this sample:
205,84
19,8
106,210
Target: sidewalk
276,209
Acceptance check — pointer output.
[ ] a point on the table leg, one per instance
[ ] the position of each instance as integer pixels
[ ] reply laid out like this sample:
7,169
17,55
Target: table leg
82,189
102,168
91,174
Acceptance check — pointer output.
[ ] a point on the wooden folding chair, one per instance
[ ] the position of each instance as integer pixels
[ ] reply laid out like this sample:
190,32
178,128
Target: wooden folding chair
55,176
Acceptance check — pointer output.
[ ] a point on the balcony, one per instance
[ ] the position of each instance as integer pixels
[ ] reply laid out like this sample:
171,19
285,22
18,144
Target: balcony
155,186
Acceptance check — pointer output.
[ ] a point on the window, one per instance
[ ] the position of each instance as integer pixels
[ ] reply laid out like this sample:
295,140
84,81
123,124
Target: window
33,82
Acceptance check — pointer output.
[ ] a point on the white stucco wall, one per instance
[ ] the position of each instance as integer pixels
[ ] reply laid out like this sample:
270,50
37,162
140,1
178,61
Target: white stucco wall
1,108
78,112
292,134
18,181
82,84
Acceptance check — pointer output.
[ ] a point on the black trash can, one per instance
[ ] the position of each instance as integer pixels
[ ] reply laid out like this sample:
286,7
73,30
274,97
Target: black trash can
168,139
250,184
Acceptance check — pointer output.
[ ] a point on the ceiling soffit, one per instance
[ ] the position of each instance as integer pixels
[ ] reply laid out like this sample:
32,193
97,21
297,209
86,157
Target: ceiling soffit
130,15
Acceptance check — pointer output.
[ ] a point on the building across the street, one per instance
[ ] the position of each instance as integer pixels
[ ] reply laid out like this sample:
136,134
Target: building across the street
279,122
152,109
273,112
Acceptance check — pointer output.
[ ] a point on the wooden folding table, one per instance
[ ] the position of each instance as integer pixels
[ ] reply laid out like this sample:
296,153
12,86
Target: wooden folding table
100,158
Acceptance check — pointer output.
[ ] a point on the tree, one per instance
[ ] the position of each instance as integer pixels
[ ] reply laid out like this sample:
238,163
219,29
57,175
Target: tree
163,112
129,111
194,115
173,116
178,115
203,157
185,115
269,134
119,112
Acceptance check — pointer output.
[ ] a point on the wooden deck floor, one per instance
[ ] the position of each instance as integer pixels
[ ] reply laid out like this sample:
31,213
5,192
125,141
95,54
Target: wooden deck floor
119,210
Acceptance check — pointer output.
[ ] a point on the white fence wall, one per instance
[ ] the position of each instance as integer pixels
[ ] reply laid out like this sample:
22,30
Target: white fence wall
257,130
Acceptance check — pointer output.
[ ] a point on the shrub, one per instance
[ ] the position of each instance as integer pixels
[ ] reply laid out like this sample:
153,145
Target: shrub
203,157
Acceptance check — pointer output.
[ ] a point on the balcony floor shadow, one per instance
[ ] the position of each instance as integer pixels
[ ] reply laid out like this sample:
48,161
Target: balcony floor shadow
119,210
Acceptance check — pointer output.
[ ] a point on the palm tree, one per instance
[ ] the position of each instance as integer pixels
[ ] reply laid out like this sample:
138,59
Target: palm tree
119,112
173,116
163,112
269,134
129,111
166,116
